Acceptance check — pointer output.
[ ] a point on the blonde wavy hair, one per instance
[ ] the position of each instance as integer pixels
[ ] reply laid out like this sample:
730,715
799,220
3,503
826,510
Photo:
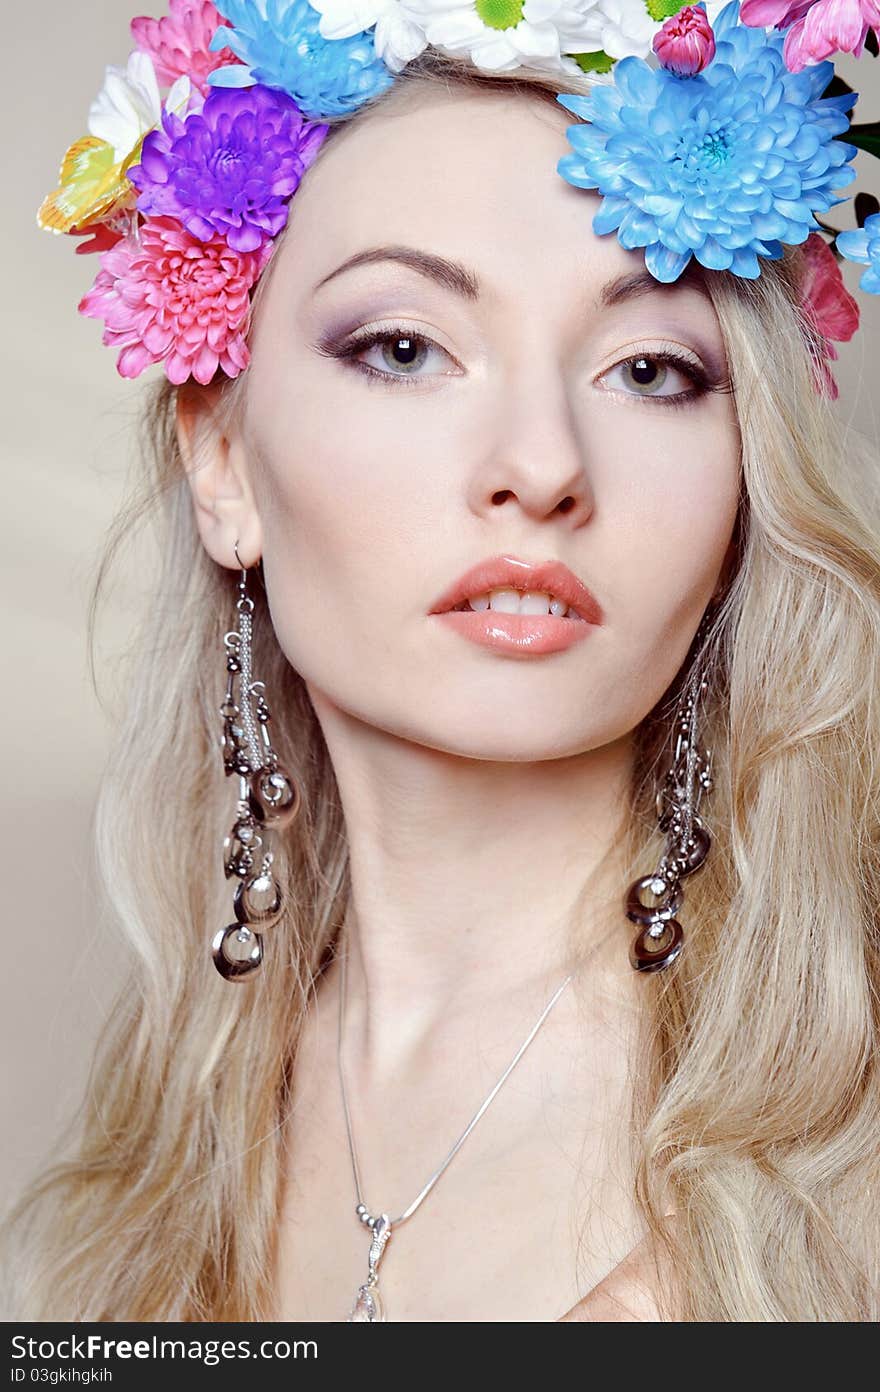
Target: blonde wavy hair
759,1112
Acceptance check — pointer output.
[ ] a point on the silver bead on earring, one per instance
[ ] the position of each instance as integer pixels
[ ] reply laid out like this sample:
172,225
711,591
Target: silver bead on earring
661,936
268,800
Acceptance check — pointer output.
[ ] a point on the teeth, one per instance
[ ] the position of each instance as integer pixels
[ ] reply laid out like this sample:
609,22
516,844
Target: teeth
517,602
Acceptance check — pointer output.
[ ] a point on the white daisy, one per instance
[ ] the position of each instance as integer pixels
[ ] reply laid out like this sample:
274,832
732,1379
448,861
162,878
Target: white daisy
537,32
627,28
129,104
398,38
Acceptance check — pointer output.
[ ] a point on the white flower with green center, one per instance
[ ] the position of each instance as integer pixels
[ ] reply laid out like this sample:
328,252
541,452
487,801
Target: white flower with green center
499,35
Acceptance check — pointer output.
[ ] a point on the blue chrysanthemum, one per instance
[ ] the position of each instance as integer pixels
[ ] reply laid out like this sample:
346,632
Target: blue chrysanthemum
724,166
864,246
281,45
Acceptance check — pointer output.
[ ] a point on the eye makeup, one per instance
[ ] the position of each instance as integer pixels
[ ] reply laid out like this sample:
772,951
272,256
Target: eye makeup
346,347
642,362
650,365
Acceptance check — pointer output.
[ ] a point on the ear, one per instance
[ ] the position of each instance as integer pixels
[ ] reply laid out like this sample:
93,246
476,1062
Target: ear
216,468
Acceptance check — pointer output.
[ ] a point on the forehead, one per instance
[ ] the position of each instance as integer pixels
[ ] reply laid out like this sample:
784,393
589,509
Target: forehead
473,177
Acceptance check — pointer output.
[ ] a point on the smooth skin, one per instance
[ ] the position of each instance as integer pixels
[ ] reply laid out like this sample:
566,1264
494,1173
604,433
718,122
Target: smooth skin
481,790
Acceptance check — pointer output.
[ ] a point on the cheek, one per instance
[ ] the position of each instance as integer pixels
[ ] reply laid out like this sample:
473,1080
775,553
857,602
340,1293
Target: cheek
348,499
670,508
673,491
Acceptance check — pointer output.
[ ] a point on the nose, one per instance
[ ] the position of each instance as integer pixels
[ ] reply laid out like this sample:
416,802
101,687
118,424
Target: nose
535,454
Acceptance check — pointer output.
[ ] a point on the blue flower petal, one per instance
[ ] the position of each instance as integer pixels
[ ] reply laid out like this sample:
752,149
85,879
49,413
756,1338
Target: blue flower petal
745,263
664,264
281,43
574,171
575,102
662,205
853,245
726,165
232,75
636,228
713,255
635,81
870,281
607,219
770,224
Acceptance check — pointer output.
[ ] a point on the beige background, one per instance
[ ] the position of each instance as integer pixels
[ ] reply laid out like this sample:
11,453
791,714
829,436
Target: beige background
68,430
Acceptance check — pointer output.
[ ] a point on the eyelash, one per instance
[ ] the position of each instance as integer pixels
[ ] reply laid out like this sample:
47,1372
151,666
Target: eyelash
346,350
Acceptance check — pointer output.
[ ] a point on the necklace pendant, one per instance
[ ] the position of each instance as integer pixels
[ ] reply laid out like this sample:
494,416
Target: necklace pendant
368,1307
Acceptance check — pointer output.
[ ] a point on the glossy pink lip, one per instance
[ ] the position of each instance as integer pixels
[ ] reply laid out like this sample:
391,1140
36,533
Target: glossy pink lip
507,572
516,633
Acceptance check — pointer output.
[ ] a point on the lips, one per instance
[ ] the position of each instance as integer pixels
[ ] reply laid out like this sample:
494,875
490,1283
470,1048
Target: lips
507,572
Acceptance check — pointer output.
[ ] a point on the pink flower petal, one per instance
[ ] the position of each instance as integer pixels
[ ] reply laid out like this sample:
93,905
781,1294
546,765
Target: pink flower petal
832,26
166,295
761,13
178,43
204,365
829,309
685,44
133,361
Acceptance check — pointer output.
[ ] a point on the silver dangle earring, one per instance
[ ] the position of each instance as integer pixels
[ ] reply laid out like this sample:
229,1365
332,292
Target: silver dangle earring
661,936
268,800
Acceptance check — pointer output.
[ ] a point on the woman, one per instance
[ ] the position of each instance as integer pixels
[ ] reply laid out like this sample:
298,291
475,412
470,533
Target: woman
686,1143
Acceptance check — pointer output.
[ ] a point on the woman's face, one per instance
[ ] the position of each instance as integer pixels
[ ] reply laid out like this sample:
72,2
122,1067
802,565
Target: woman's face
508,421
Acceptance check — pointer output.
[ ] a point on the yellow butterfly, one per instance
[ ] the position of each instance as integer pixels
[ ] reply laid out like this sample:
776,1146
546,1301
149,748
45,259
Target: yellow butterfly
93,185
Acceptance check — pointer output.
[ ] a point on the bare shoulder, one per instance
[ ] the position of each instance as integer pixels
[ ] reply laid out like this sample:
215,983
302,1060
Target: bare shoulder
628,1293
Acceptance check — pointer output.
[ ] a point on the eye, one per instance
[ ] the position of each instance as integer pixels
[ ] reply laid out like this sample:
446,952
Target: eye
400,354
669,377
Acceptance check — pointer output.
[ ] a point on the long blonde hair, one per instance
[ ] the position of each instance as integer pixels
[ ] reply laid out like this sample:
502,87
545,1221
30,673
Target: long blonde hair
759,1109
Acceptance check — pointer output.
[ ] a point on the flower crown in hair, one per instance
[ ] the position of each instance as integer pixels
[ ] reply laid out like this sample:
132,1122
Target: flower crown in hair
714,140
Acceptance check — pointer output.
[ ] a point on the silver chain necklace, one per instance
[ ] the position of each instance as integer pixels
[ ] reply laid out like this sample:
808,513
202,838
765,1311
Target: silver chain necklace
368,1307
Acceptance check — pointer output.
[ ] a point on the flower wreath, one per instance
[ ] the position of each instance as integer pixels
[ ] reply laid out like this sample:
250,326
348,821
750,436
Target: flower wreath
710,134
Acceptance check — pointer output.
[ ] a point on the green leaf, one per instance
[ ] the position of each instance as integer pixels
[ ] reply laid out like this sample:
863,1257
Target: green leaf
865,206
865,136
597,61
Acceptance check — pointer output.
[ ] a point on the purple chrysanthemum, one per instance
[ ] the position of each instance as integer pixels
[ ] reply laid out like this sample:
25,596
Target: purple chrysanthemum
229,169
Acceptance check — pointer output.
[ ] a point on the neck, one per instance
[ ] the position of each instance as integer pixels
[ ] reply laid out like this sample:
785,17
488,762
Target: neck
475,886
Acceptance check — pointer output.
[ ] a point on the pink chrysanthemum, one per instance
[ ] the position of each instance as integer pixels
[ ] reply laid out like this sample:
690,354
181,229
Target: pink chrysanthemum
178,43
829,308
815,29
685,43
165,296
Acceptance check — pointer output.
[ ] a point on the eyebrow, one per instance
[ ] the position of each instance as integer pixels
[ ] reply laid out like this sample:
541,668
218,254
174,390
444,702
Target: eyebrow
466,283
451,274
631,285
